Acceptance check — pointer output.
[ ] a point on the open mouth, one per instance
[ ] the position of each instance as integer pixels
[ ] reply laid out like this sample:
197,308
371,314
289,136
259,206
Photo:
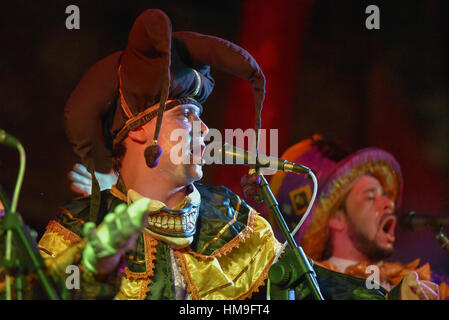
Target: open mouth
196,154
388,225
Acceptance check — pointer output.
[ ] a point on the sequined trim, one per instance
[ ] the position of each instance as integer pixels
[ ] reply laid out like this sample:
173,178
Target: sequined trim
124,105
255,287
234,243
54,226
230,223
133,261
260,281
182,263
117,193
198,86
70,216
150,257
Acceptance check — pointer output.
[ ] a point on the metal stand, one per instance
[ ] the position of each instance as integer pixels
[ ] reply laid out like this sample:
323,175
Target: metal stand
435,225
12,223
442,239
295,269
13,226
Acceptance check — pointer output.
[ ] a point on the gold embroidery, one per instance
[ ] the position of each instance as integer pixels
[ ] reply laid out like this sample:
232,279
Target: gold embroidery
70,216
245,233
122,97
230,223
236,275
54,226
131,257
182,263
198,86
145,277
118,194
242,271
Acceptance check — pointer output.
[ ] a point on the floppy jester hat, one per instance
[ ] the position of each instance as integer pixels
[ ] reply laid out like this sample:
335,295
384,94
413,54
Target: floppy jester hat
120,92
335,172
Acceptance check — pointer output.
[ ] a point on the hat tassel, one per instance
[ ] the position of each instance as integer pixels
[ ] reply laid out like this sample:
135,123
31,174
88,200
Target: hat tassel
152,154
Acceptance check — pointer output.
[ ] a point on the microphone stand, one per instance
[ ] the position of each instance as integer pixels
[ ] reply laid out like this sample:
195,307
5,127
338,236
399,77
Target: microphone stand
13,224
435,226
442,239
294,269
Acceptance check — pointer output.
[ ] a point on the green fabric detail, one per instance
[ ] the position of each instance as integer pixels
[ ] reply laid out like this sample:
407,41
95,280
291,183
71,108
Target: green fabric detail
161,287
95,200
79,208
395,292
366,294
340,286
217,208
137,255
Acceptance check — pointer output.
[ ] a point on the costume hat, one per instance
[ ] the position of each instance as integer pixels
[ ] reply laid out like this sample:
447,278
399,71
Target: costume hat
117,93
121,92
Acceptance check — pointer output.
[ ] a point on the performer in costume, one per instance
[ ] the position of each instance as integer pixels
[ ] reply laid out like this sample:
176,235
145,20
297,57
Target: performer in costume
200,242
353,219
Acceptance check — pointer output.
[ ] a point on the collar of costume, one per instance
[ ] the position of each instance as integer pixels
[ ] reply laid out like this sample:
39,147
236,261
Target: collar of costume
175,226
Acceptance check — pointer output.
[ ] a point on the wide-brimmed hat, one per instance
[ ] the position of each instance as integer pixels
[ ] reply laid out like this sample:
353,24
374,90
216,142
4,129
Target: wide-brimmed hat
335,174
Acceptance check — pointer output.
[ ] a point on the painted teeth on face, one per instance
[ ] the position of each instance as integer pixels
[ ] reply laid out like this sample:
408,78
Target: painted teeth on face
171,223
164,222
175,223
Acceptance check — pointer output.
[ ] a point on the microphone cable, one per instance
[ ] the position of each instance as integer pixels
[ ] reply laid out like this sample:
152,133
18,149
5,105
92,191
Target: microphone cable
297,227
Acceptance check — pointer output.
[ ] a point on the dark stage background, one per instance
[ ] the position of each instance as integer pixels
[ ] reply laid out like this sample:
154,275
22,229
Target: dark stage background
326,73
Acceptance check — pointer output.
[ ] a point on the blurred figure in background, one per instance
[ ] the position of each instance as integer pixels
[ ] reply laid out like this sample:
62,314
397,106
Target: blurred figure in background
352,223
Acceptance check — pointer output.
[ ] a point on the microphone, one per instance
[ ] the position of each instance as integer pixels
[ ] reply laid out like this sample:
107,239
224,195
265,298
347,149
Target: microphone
8,139
229,154
413,221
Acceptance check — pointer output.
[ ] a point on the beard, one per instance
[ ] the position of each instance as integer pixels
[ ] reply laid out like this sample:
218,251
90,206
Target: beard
367,246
